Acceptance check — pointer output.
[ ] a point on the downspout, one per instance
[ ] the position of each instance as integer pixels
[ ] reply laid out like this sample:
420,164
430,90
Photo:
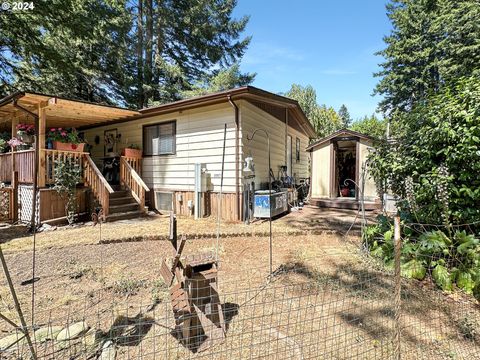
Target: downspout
237,135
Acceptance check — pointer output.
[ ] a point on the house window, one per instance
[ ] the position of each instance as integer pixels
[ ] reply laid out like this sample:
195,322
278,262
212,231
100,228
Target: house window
297,150
159,139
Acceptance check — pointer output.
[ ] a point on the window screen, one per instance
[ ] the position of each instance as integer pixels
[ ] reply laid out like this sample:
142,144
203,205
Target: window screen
159,139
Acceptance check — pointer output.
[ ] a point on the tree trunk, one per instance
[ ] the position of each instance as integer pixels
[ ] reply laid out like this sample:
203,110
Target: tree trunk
148,49
141,99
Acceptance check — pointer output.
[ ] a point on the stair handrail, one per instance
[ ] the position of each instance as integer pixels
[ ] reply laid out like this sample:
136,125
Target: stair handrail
130,179
99,185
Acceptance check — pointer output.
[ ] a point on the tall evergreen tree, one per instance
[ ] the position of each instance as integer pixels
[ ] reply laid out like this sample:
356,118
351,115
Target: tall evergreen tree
65,47
432,43
180,43
345,116
130,53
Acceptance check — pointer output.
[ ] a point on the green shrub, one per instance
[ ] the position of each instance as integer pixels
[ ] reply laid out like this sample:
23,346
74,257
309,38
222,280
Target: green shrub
451,260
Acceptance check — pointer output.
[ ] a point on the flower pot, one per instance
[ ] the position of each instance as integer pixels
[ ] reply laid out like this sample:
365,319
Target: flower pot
132,153
27,139
57,145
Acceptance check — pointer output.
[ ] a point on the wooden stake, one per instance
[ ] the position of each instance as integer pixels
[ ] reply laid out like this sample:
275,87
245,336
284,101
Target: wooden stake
24,327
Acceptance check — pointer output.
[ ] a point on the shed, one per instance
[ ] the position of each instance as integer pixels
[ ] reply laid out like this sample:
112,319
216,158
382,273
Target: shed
340,170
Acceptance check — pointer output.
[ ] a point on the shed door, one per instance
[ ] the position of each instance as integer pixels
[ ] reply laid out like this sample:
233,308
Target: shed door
289,155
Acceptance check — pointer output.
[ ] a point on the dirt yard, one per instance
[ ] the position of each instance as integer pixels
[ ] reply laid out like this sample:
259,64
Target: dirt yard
325,300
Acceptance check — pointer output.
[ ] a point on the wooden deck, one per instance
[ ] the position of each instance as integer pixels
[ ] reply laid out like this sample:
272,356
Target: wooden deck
22,163
344,203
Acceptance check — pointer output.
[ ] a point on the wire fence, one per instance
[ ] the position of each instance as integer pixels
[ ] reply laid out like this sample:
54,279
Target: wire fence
324,300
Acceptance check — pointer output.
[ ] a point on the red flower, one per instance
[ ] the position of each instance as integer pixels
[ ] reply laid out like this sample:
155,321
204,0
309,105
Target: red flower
63,133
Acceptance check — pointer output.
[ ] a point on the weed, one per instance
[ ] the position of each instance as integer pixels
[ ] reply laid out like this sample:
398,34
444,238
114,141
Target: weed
159,291
128,286
469,327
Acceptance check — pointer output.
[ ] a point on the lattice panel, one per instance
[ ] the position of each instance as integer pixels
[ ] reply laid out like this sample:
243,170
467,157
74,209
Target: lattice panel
5,198
25,194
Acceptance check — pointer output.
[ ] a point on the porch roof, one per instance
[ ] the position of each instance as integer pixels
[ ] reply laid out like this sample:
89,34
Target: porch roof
60,112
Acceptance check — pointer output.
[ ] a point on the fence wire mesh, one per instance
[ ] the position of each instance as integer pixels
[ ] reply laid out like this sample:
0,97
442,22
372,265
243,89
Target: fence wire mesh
327,299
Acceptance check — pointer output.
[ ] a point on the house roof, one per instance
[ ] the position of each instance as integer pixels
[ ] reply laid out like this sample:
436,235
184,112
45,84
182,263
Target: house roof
244,92
339,133
60,112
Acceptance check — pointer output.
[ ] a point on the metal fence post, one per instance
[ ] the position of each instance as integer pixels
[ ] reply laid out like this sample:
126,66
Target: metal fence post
398,292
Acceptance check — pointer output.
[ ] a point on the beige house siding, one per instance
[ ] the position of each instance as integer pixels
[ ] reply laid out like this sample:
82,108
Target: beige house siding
253,118
199,139
300,168
321,171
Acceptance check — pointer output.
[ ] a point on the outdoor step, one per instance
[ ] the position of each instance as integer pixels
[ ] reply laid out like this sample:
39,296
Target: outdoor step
119,194
123,208
122,201
125,215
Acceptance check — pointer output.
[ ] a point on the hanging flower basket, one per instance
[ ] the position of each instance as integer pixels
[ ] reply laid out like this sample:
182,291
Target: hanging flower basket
57,145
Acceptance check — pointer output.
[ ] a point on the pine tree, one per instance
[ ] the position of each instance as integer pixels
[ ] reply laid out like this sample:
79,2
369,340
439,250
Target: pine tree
122,52
345,116
432,43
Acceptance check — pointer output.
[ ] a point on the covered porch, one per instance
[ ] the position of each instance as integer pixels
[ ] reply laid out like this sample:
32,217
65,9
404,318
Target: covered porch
34,167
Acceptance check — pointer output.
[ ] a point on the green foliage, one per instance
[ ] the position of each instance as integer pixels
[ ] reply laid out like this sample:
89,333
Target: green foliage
67,174
431,44
442,278
370,125
131,53
4,137
325,120
219,80
344,116
435,159
449,259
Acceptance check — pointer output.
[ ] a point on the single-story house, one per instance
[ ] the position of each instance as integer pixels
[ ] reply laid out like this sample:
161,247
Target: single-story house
174,139
340,171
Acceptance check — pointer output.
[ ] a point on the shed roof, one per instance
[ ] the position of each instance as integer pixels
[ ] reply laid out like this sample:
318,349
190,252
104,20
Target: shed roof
339,133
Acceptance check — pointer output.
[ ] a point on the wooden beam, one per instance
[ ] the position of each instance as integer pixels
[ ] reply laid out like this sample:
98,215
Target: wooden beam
41,138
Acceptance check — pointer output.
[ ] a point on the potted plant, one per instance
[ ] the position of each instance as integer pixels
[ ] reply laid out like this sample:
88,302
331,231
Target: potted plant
65,139
132,151
26,132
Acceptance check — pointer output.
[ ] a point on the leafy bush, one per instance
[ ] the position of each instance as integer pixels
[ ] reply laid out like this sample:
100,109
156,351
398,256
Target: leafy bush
449,259
434,161
67,174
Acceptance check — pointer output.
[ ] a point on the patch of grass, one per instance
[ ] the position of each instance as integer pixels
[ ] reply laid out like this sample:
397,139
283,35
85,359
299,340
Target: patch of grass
79,270
159,291
469,327
128,286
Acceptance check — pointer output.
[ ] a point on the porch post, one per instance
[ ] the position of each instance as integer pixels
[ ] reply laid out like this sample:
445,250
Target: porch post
42,125
14,134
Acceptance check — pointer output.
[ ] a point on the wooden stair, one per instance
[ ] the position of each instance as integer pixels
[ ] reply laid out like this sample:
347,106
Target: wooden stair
123,206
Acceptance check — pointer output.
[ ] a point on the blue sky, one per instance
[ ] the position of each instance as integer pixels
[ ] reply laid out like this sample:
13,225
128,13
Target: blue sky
327,44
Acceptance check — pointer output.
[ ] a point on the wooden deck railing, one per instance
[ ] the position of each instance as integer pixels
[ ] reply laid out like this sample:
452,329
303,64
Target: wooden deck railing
95,180
24,163
51,158
135,163
130,179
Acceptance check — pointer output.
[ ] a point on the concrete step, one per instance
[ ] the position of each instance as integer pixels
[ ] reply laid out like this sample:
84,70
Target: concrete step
124,215
123,208
122,201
